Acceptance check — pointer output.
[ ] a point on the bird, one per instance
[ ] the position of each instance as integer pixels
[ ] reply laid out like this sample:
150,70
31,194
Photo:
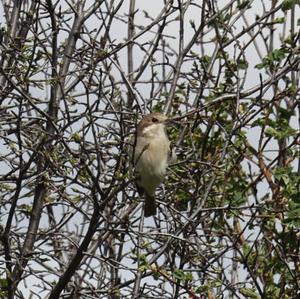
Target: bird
151,155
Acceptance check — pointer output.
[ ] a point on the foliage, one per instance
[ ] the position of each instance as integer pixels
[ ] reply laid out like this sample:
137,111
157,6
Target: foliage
75,77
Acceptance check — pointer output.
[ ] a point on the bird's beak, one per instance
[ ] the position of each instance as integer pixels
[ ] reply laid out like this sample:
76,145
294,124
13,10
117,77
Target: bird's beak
169,121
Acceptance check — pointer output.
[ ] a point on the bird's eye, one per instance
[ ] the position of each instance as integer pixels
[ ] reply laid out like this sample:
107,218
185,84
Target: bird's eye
154,120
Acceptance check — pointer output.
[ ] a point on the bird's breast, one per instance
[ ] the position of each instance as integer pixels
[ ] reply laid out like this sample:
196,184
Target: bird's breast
152,156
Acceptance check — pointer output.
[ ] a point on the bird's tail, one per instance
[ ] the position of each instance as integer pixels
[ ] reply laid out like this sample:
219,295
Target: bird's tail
150,206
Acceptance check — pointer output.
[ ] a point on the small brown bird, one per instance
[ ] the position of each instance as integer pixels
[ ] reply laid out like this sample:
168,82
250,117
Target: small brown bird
151,155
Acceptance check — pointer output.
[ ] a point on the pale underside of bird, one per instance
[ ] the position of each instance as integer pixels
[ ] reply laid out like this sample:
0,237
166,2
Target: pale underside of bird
151,155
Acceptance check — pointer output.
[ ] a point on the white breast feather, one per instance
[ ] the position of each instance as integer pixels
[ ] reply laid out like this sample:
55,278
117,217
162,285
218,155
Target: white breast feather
152,163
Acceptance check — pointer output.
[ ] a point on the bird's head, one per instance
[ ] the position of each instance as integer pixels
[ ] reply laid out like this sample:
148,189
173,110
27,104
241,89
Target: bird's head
152,124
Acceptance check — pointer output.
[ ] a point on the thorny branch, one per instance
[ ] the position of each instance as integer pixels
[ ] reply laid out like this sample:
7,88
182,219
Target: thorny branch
75,76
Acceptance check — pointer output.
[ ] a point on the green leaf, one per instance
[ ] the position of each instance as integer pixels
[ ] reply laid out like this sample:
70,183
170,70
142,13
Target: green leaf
280,133
285,113
260,66
279,20
243,4
238,198
249,293
276,56
283,173
143,262
260,122
182,275
279,54
272,132
76,137
288,4
205,59
242,64
3,288
293,215
3,283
